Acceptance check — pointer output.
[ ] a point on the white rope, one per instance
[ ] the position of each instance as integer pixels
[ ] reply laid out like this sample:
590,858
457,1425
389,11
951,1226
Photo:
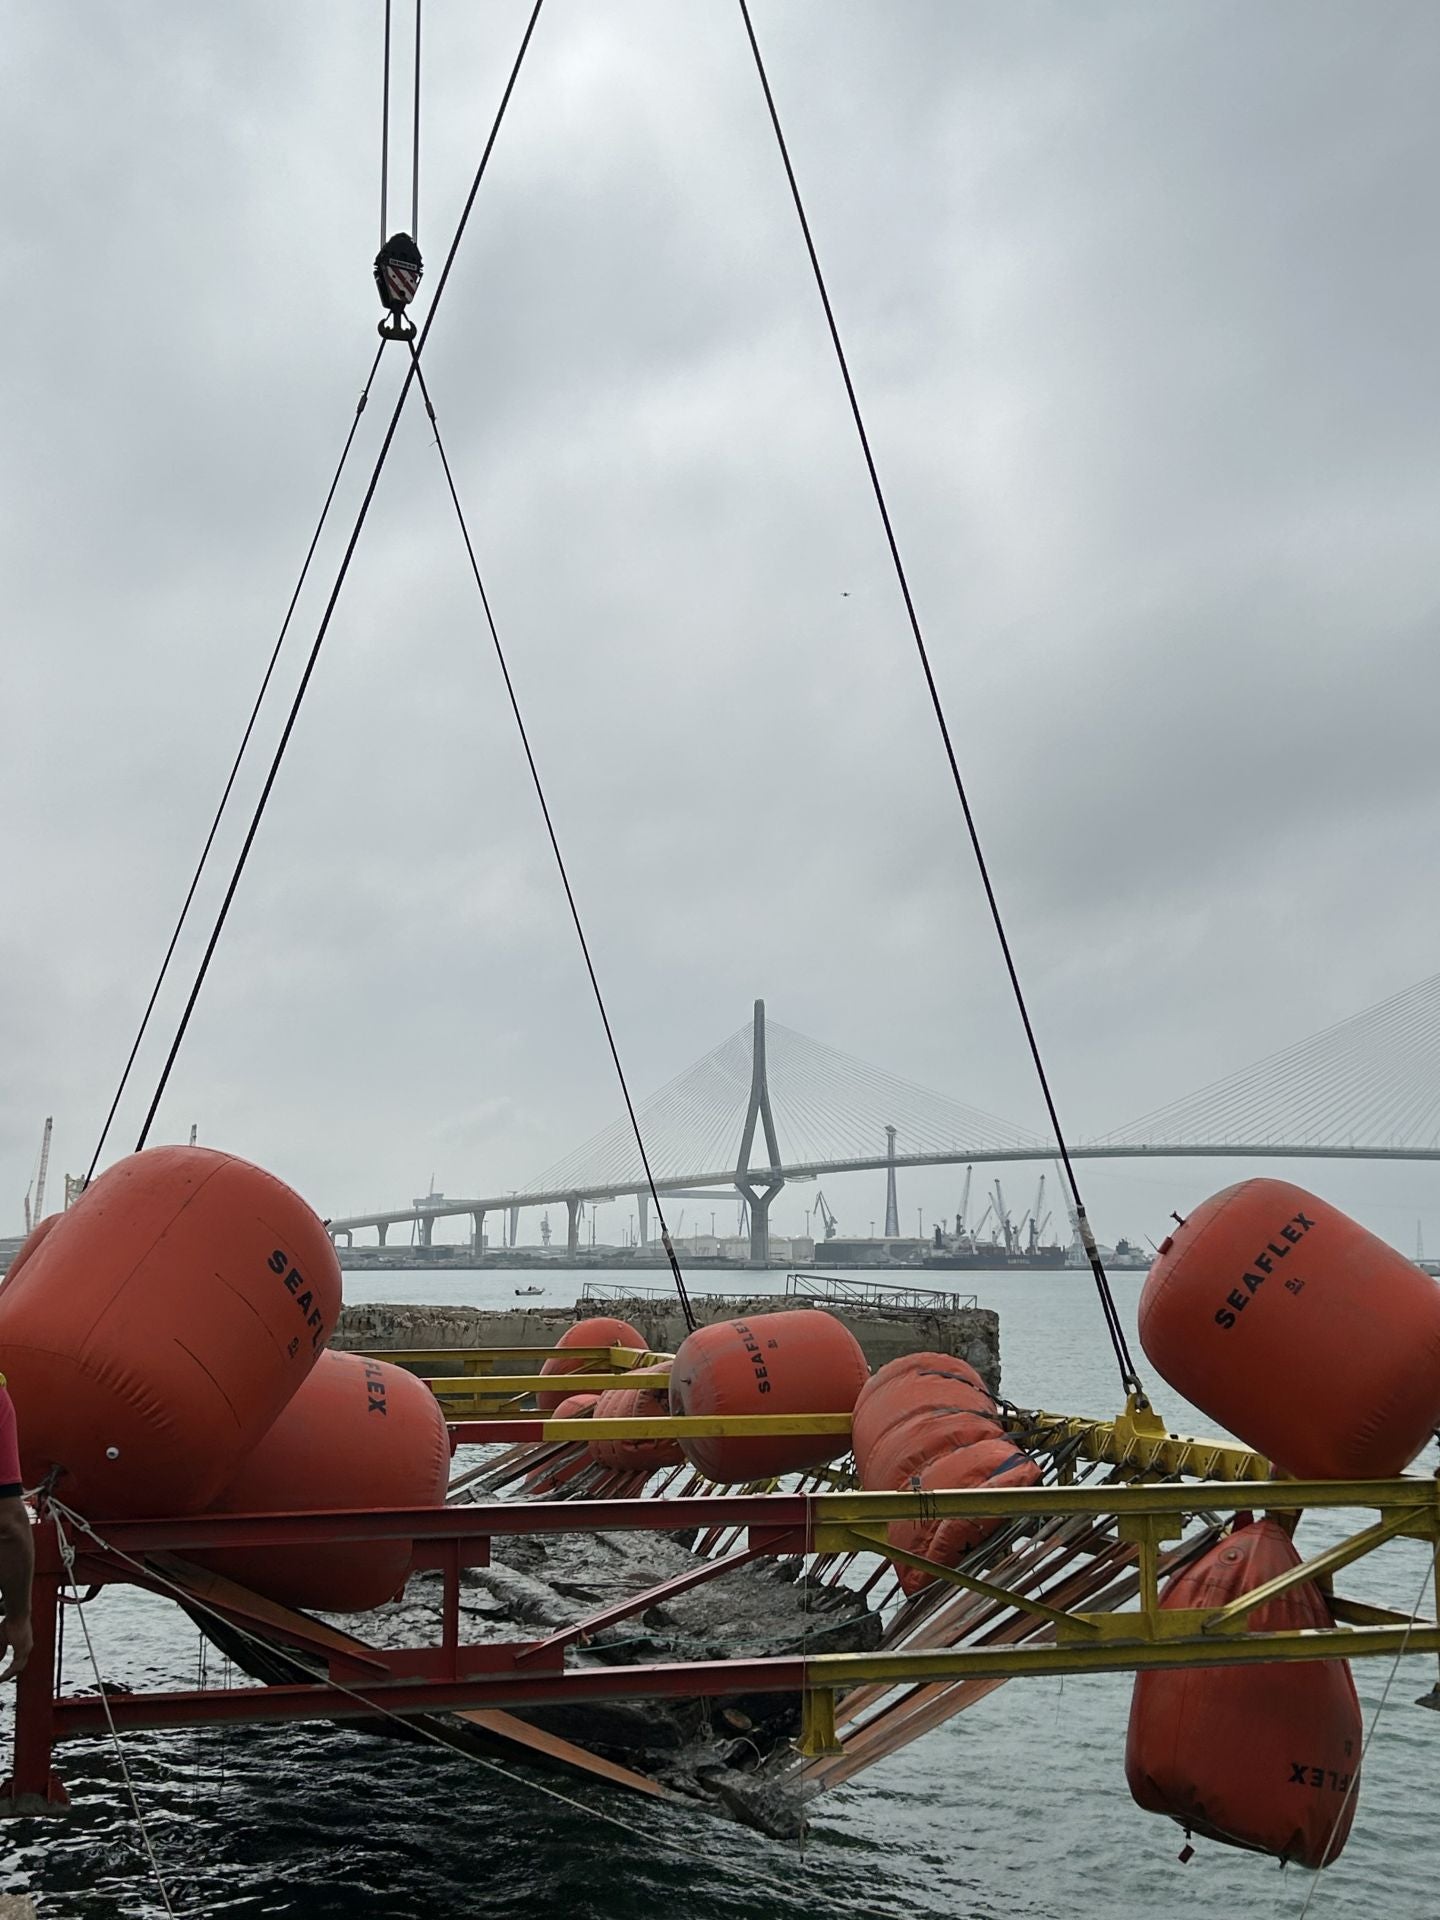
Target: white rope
1354,1785
67,1554
412,1726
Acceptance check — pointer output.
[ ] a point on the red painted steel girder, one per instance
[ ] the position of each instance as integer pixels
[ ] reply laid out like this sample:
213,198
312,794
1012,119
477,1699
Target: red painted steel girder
784,1511
83,1714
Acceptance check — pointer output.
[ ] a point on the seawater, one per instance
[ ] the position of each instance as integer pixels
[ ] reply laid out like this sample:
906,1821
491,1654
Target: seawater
1016,1810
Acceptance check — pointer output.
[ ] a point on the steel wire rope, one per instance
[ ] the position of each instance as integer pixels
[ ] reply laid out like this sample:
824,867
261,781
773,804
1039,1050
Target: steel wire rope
1256,1078
804,1117
1129,1378
894,1084
385,136
810,1089
685,1307
580,1158
416,348
67,1555
1352,1080
414,1727
1353,1784
234,772
415,147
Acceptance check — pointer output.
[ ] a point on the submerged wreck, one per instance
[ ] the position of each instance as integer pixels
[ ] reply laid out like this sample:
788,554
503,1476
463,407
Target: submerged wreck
737,1575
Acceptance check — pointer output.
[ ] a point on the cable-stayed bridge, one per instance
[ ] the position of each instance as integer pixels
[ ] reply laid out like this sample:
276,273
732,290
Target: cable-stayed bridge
768,1107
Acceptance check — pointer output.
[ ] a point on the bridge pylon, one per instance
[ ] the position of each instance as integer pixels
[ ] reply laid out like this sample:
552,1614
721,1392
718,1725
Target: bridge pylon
759,1198
892,1203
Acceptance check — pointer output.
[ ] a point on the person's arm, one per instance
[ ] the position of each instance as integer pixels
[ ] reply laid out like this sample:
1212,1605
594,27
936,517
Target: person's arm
17,1549
17,1564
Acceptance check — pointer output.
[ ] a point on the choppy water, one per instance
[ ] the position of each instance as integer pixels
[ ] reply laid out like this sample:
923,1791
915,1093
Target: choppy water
1017,1810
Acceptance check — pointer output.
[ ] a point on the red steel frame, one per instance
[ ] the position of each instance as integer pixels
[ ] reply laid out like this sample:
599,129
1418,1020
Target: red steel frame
371,1680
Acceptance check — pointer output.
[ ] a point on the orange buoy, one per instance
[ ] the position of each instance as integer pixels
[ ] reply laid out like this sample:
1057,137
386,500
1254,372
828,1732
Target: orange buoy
939,1388
1263,1757
358,1433
633,1403
586,1333
803,1361
1298,1330
991,1462
919,1438
157,1329
27,1246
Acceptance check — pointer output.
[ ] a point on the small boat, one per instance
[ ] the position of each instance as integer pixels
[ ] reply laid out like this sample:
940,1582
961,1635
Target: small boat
519,1291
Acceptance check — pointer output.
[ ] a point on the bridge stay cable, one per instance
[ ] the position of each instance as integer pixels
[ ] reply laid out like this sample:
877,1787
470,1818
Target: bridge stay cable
417,347
229,787
1129,1377
685,1306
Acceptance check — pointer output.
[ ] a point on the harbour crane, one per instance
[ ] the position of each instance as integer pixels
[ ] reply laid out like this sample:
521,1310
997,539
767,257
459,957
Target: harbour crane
32,1218
964,1204
827,1218
1038,1218
1007,1225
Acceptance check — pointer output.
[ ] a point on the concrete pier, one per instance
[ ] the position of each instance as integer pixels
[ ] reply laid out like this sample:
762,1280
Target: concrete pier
970,1333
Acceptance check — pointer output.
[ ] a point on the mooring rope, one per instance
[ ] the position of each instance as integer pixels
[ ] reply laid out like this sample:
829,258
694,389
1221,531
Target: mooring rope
665,1240
1129,1378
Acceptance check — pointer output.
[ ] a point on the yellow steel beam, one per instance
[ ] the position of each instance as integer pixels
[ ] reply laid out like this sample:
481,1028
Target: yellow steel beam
817,1724
1329,1561
451,1386
690,1426
485,1360
1102,1655
1138,1437
971,1583
1418,1498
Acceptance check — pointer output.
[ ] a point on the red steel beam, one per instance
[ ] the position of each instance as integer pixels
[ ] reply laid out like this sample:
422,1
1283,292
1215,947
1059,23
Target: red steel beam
784,1511
83,1714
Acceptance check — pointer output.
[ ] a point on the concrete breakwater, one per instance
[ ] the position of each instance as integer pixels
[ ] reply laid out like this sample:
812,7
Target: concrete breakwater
970,1333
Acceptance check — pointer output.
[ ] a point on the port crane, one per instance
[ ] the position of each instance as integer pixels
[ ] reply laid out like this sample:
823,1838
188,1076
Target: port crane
1039,1220
33,1217
827,1218
964,1204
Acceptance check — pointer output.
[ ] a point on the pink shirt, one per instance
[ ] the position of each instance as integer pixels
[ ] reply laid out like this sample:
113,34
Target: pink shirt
9,1448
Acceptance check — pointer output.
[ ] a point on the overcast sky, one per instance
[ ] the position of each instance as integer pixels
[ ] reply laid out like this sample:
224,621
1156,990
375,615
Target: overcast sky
1143,304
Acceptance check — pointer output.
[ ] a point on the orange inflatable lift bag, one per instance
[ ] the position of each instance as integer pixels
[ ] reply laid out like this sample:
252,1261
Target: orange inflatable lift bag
37,1233
156,1331
358,1433
1298,1330
804,1361
931,1387
908,1447
1263,1757
586,1333
996,1463
633,1403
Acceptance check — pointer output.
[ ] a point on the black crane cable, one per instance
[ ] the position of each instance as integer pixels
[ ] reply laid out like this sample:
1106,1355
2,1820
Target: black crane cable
685,1307
385,137
349,554
1129,1378
415,148
240,753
